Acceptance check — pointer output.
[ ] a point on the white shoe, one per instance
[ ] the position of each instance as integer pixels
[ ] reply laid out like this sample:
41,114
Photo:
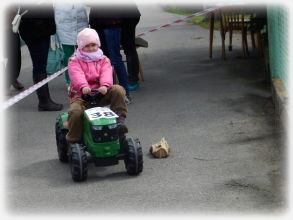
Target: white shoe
127,99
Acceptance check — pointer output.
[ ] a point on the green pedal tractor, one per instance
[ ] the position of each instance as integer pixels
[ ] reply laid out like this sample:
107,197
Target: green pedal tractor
102,142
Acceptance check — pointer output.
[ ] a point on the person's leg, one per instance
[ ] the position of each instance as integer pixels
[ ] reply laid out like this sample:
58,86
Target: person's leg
103,42
39,54
75,123
128,44
112,38
68,51
14,60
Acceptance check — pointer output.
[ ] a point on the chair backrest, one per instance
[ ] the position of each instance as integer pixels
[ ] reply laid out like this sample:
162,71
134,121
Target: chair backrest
140,42
232,19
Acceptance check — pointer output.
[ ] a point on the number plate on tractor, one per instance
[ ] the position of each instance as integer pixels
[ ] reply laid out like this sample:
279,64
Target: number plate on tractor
100,112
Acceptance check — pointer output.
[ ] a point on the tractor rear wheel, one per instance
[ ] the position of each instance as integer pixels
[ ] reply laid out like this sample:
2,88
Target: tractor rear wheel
61,143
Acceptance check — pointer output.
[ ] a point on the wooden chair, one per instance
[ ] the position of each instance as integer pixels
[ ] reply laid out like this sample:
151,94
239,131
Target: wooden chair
232,19
139,42
257,23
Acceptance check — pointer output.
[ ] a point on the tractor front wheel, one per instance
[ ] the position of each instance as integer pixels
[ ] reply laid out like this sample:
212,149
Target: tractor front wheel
78,162
134,160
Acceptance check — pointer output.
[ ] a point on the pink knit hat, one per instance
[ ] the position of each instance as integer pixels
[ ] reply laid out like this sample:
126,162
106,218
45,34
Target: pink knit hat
87,36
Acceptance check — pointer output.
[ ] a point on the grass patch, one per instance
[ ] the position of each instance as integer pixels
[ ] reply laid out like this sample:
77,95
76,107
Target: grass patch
176,10
202,20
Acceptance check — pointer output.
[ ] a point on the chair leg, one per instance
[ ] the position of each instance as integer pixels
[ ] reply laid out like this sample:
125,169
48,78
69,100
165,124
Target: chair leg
223,48
252,39
230,39
115,78
212,21
223,44
246,44
222,32
243,44
141,72
260,44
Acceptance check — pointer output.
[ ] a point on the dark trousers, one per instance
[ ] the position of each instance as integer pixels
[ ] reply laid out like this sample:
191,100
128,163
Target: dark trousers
39,54
13,54
128,44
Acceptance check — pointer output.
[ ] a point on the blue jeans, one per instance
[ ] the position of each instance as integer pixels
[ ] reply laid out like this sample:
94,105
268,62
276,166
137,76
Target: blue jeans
39,53
112,39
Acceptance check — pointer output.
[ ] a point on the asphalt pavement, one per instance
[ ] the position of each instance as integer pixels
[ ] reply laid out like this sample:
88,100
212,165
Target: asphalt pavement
227,153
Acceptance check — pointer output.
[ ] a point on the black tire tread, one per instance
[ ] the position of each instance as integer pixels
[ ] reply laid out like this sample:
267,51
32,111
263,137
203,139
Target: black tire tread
78,162
134,160
61,143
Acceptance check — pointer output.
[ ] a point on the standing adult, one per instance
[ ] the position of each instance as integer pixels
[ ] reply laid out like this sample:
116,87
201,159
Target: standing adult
106,20
70,19
12,52
130,19
36,27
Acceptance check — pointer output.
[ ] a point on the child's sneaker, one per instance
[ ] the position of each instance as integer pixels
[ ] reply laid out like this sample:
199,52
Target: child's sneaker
128,99
122,129
133,86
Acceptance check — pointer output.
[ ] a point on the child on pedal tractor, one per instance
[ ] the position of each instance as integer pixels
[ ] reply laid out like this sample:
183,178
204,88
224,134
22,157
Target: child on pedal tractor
90,70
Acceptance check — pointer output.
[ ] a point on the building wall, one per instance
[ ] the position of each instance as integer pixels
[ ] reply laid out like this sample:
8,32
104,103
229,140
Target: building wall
278,35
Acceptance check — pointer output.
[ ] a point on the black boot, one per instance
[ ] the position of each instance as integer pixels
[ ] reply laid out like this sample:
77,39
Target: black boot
45,102
17,85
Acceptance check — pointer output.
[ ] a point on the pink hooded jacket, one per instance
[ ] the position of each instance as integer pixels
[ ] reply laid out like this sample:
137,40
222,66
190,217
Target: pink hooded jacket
91,74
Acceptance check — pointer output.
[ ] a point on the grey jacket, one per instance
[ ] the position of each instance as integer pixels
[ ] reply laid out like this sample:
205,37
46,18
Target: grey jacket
70,19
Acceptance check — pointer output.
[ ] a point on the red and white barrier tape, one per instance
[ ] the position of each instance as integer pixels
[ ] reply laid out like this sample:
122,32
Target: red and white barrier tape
31,89
208,10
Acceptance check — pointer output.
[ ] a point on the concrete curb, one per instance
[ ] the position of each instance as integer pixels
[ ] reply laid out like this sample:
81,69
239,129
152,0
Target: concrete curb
280,98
